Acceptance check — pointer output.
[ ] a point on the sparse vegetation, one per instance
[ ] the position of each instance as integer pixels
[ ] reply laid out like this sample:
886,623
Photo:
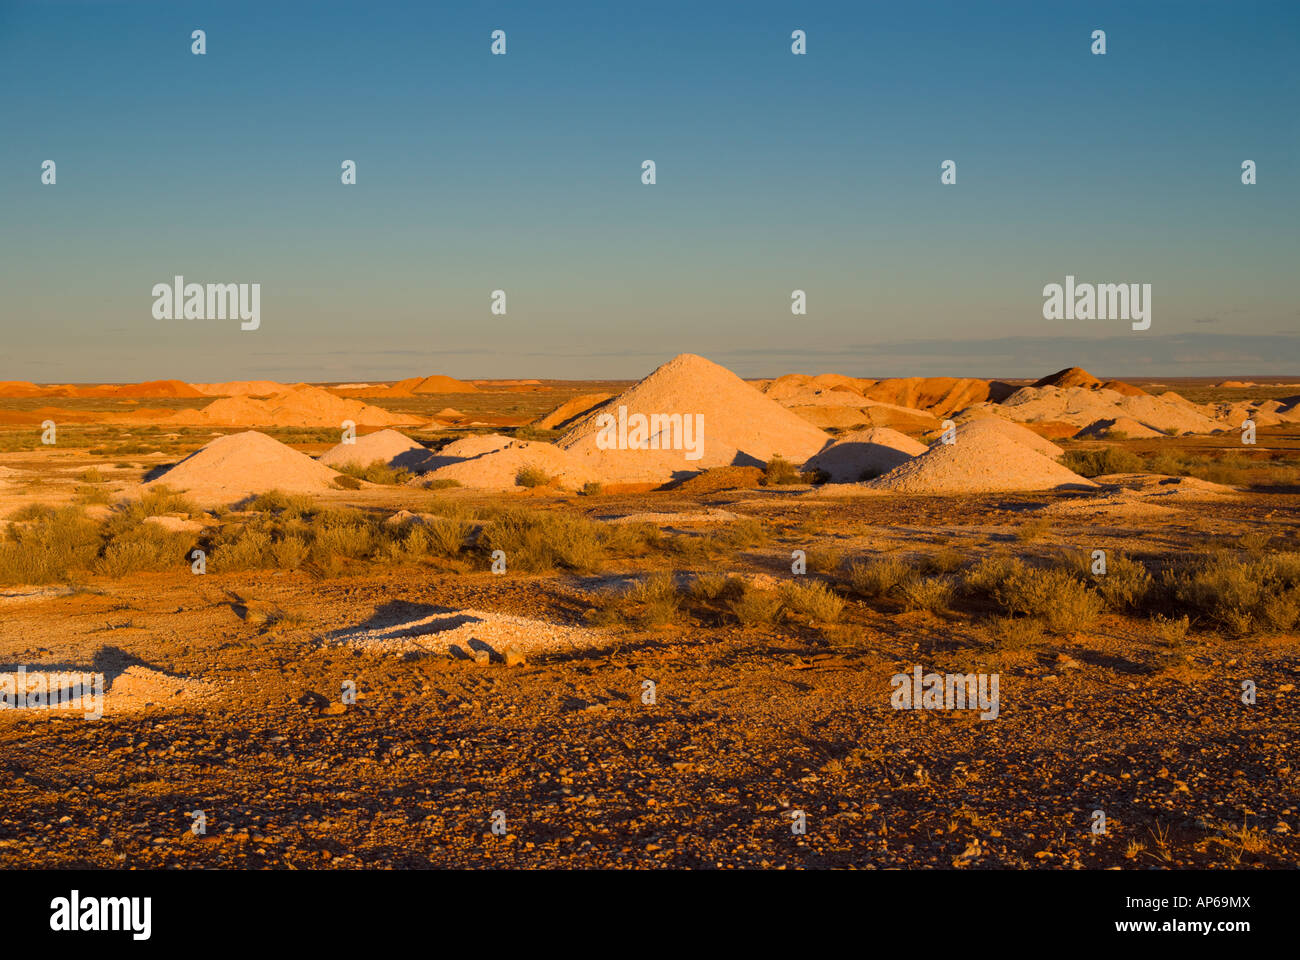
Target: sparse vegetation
532,476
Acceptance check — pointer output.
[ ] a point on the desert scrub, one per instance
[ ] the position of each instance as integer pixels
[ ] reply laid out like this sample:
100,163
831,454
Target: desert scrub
92,475
780,472
376,471
532,476
537,541
652,602
1103,460
46,544
590,489
745,532
1239,596
145,547
878,577
926,593
1054,596
715,586
1124,585
1034,529
755,607
825,558
1170,630
812,601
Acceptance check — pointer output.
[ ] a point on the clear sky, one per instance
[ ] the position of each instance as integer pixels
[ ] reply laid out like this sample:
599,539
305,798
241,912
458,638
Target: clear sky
523,172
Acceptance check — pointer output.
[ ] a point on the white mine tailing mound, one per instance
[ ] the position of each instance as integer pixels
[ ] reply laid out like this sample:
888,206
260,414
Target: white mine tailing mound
1081,406
499,469
981,461
299,406
388,446
243,464
877,450
741,425
978,425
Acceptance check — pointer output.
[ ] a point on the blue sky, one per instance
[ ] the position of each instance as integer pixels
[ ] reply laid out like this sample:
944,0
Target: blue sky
522,172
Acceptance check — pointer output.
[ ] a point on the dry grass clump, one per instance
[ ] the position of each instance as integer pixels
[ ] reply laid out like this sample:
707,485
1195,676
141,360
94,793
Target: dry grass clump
1097,461
1170,630
878,577
825,558
1125,584
926,593
716,586
46,543
1034,529
651,603
756,607
377,471
1054,596
1240,596
537,541
813,601
92,475
532,476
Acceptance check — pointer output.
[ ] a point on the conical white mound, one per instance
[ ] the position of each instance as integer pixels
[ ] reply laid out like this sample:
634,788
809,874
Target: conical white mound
874,451
388,446
242,464
981,461
739,426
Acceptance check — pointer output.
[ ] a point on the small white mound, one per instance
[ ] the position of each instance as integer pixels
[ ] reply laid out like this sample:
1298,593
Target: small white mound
982,461
874,451
243,464
475,446
499,469
388,446
980,426
461,633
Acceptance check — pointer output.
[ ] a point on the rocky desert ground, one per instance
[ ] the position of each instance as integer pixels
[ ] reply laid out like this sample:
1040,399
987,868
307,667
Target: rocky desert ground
454,623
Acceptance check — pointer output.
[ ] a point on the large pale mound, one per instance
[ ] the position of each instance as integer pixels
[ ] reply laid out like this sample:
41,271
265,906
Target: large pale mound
242,464
741,425
1081,406
978,425
1126,425
387,446
570,410
864,454
20,388
984,461
499,469
299,406
241,388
